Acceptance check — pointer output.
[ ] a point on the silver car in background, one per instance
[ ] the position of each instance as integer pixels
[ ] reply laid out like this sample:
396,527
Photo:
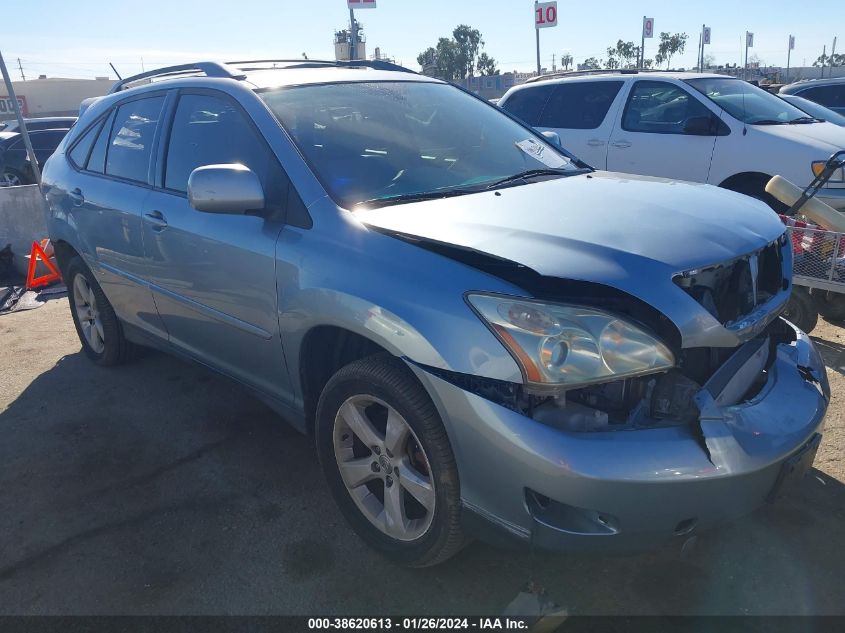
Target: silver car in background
485,337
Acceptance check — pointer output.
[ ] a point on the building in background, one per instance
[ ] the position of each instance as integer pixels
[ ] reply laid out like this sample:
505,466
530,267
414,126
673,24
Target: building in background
343,41
493,86
51,97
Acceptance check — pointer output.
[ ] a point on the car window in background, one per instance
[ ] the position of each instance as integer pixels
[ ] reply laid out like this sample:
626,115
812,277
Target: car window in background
131,140
815,109
828,96
208,130
579,105
388,140
746,102
659,107
527,104
48,140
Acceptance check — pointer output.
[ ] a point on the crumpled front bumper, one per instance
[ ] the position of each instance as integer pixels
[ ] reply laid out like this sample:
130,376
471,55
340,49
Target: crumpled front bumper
630,489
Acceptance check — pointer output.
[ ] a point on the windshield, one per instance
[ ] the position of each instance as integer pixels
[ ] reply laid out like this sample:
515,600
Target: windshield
814,109
747,102
392,141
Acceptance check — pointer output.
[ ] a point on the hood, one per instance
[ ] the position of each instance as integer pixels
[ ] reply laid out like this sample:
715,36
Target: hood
633,233
826,136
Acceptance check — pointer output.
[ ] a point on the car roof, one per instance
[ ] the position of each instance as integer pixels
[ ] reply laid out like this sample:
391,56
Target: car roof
804,84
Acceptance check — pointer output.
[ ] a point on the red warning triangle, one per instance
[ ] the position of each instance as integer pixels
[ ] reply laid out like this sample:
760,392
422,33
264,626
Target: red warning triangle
45,280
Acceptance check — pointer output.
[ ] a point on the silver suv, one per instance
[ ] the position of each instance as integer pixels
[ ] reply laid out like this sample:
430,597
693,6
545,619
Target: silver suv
484,336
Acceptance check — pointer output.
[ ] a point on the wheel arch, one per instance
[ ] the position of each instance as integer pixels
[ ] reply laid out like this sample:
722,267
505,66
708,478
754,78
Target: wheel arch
325,349
742,177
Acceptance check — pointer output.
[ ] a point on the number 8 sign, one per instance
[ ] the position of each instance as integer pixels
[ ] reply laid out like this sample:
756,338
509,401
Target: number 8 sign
545,14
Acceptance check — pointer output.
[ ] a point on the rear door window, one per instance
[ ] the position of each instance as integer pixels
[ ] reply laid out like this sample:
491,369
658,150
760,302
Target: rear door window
527,104
580,105
132,136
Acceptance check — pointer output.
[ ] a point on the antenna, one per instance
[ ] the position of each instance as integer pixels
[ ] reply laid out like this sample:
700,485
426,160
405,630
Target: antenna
115,71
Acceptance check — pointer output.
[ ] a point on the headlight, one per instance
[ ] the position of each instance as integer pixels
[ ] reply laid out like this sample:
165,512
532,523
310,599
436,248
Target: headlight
566,345
838,175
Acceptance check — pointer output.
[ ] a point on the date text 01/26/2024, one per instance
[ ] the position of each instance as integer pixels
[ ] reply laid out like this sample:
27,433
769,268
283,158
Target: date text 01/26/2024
417,624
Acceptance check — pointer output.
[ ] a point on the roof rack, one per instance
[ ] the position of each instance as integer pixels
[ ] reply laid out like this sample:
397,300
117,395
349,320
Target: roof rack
209,69
376,64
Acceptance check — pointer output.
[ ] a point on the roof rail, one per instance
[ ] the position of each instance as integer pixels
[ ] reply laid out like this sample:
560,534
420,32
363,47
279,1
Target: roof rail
209,69
597,71
376,64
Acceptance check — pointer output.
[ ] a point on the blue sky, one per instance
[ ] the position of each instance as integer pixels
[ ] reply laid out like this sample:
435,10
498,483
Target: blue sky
79,38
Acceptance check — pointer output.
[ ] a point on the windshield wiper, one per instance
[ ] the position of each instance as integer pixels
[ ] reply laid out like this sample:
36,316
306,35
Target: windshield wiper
768,122
529,173
374,203
805,119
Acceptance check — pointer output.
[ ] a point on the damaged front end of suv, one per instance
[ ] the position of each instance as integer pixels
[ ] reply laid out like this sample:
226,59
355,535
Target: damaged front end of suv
661,391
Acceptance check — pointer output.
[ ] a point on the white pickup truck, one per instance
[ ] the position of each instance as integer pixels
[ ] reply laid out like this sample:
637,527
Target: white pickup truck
687,126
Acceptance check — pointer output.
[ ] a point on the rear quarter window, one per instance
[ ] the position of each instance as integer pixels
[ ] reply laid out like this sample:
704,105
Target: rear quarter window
527,104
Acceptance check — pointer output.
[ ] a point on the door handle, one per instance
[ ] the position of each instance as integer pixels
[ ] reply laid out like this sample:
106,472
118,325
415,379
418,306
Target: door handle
595,142
621,144
156,219
76,197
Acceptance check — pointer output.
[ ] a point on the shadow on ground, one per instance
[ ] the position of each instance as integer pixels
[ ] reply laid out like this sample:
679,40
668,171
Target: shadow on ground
159,488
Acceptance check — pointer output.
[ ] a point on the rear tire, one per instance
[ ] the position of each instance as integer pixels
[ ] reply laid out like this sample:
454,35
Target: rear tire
97,326
801,310
388,462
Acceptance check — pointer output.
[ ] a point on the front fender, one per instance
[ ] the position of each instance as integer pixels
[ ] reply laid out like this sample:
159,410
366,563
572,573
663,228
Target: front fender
405,299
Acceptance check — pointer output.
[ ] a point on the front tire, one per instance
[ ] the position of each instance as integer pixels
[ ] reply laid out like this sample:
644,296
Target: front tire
388,462
801,310
755,187
97,326
831,305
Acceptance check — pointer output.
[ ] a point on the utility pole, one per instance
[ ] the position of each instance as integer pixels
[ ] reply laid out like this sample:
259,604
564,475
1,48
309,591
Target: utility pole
353,35
23,77
832,53
824,58
24,132
553,63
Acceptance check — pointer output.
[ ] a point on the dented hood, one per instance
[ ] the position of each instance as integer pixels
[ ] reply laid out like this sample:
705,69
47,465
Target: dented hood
629,232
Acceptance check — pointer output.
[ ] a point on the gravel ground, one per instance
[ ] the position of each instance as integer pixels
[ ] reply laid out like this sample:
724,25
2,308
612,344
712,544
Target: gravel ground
159,488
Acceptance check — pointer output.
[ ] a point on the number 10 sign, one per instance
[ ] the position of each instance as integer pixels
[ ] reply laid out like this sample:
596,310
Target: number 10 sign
545,14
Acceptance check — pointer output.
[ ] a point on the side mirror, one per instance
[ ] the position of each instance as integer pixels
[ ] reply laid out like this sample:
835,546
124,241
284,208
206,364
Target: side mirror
700,126
553,137
231,189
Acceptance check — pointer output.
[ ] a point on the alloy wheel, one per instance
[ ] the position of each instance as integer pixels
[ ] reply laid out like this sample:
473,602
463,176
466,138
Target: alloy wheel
85,304
384,467
10,180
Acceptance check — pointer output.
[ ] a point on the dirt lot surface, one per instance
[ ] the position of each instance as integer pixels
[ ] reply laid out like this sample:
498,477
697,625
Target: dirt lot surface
159,488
